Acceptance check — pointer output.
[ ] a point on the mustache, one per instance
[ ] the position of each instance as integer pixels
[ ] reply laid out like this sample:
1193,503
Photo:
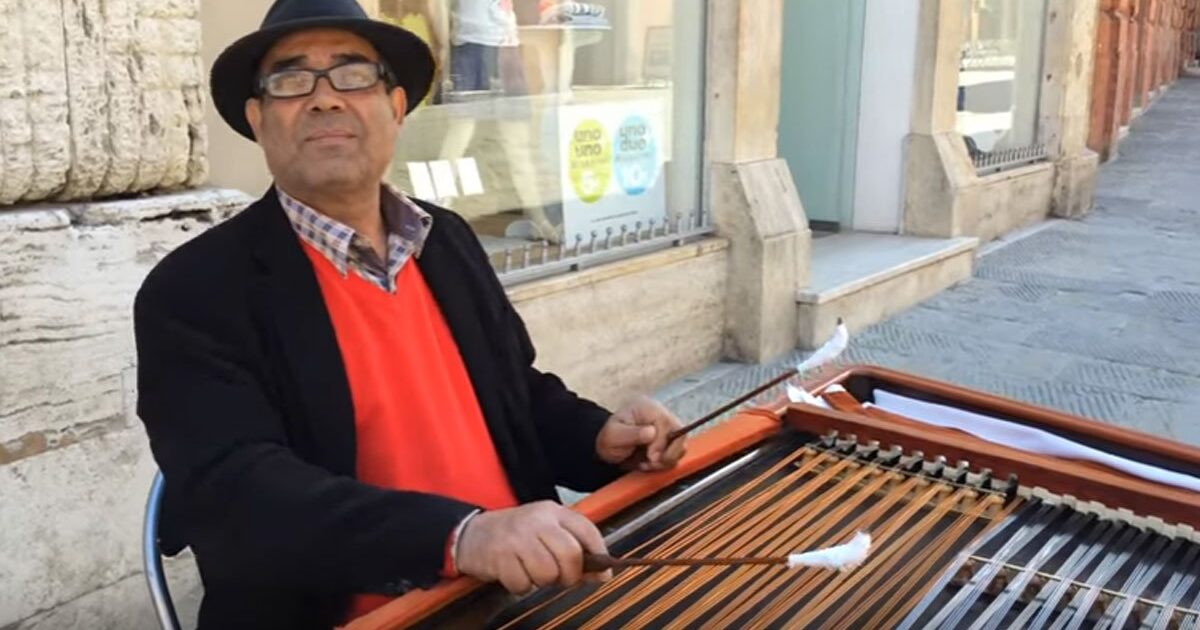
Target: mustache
326,124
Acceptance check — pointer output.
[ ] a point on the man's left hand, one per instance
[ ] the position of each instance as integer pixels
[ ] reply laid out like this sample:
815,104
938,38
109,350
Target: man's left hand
643,424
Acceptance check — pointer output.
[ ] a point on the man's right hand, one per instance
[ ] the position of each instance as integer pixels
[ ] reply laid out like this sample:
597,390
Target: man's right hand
529,546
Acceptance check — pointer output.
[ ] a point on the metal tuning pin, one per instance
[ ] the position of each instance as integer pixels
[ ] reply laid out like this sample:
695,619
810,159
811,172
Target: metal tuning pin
985,479
1010,491
870,451
891,457
961,472
937,467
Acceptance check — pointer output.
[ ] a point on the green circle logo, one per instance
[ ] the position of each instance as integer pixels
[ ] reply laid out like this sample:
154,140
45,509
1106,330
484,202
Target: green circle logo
590,161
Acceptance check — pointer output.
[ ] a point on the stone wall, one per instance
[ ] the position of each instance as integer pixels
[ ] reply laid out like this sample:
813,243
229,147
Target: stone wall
624,328
74,463
99,98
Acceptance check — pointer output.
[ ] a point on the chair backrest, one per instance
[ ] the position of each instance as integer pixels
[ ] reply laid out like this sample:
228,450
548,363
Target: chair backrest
156,578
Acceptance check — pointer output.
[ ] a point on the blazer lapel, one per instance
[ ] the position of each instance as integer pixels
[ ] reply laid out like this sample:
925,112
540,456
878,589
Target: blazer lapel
290,297
449,278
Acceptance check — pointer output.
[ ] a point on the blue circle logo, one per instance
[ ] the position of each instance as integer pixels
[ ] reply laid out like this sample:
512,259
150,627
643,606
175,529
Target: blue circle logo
635,156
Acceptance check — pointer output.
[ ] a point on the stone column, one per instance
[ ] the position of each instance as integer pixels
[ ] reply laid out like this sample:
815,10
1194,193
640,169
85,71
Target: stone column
1067,71
1157,31
939,175
751,196
1139,43
99,98
1189,35
1109,78
1127,56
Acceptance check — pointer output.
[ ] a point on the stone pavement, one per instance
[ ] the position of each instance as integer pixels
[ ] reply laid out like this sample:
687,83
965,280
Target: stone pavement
1099,317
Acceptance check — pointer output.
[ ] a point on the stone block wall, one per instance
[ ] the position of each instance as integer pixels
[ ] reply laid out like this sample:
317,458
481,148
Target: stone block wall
616,331
74,462
99,98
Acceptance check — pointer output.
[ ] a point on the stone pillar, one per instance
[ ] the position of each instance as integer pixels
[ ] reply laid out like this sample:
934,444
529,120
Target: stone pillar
1149,69
1154,46
1069,57
1113,52
1162,34
1190,15
939,175
1139,38
1127,56
99,98
751,196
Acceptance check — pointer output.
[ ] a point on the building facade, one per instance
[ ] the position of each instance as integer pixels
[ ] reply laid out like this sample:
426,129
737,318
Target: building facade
917,131
647,178
1141,46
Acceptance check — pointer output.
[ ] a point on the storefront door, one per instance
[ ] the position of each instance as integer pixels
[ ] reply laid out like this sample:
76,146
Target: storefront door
818,120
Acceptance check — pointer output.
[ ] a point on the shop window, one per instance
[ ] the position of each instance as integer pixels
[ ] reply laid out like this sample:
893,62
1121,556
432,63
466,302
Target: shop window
558,129
999,81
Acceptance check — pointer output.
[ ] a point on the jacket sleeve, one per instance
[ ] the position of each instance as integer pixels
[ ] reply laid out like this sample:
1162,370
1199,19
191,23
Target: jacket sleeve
254,512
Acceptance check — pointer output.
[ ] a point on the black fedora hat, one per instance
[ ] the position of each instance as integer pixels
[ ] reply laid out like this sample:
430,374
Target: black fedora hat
235,71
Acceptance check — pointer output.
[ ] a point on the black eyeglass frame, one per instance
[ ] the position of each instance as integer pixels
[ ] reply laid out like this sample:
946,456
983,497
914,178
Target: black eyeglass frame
383,74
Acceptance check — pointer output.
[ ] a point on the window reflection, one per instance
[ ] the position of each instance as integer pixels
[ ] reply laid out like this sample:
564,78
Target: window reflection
552,121
1000,74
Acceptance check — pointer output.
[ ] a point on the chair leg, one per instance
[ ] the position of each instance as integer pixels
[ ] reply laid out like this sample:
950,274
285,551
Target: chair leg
156,578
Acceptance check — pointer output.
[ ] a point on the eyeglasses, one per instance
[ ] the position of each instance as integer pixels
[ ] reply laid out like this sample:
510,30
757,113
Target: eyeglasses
347,77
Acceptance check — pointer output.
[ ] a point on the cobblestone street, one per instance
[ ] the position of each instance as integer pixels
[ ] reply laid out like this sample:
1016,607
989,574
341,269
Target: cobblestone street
1098,317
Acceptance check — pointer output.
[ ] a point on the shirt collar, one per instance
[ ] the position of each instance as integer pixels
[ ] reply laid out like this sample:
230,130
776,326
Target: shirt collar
403,219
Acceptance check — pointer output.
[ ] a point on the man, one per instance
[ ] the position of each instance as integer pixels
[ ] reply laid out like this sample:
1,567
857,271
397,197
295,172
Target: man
340,396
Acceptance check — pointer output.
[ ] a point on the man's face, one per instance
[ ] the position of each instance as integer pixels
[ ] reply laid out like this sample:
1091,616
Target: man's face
327,141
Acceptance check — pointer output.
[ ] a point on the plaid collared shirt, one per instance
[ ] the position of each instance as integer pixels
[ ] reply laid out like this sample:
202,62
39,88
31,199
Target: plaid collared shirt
407,227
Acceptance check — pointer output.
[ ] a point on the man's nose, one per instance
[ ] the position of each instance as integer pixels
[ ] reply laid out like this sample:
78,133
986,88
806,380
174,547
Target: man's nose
324,97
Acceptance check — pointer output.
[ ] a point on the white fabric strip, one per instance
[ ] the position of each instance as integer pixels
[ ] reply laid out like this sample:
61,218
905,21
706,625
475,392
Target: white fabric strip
797,395
828,351
839,558
1024,438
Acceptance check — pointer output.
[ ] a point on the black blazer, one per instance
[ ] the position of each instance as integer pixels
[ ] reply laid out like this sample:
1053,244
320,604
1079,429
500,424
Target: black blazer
244,396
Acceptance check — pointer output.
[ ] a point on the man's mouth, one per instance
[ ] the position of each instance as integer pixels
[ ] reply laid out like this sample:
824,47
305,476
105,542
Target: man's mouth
330,135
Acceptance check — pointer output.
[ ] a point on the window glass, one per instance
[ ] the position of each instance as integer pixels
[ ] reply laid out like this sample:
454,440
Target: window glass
1000,74
556,121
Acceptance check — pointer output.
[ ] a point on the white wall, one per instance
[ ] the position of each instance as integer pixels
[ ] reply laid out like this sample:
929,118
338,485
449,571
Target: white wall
889,70
234,162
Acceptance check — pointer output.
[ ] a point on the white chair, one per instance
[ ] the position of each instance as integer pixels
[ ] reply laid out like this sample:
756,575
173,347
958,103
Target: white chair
156,578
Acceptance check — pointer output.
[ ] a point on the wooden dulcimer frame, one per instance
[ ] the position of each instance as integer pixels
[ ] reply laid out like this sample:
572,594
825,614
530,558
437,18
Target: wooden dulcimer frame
871,426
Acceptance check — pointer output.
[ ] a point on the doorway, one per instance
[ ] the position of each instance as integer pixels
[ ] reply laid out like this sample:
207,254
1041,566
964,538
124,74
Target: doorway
821,71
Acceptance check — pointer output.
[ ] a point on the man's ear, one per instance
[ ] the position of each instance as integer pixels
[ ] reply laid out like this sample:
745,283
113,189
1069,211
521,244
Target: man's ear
399,104
254,115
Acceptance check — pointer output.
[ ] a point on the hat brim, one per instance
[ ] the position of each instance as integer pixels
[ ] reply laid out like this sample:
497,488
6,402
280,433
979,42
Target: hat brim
235,71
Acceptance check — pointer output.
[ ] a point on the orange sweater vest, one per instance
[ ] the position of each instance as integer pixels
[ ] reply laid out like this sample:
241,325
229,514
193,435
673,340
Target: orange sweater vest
419,426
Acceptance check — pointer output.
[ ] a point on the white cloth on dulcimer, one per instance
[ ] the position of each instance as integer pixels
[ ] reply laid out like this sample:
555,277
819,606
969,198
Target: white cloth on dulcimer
839,558
1024,438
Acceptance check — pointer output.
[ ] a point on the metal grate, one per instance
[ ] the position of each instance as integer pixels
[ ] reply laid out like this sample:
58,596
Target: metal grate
988,162
515,265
